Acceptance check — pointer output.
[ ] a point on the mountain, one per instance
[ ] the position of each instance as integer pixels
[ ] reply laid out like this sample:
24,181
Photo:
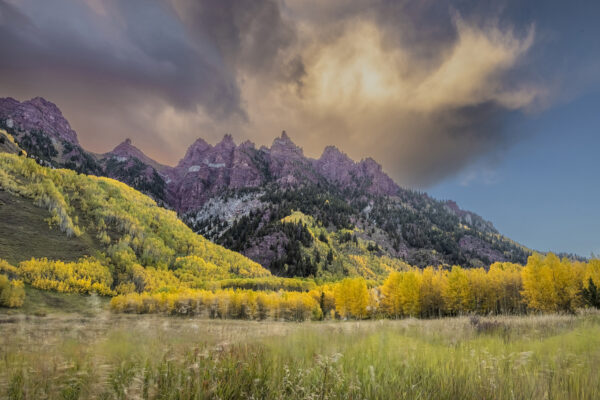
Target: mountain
40,129
130,165
241,197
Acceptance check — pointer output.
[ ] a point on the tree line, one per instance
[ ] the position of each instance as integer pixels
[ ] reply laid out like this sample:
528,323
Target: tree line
545,284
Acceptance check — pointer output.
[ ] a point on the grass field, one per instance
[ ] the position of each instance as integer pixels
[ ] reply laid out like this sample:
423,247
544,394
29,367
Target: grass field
107,356
44,302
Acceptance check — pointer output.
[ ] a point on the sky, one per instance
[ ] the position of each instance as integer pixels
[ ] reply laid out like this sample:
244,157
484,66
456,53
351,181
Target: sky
487,103
544,191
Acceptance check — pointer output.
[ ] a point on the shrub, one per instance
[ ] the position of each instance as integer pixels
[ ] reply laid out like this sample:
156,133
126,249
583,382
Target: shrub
12,293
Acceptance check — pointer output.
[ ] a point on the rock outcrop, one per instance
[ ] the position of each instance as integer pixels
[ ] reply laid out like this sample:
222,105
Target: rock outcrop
126,151
37,114
367,174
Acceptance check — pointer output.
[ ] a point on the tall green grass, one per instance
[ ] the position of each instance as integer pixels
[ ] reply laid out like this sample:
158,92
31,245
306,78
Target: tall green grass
150,357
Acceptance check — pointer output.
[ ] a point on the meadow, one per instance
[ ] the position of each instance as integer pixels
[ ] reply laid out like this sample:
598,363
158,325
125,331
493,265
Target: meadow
102,355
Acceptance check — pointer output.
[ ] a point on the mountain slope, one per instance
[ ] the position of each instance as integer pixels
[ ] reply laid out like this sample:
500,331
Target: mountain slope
25,233
238,195
134,240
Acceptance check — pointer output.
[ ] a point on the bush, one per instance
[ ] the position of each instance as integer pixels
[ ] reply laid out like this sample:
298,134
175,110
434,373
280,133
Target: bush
12,293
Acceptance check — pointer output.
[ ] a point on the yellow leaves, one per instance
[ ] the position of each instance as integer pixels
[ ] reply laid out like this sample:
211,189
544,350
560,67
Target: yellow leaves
191,268
433,284
270,283
103,238
362,268
352,298
84,276
551,284
457,293
591,271
125,288
243,304
436,292
506,284
12,293
6,268
401,293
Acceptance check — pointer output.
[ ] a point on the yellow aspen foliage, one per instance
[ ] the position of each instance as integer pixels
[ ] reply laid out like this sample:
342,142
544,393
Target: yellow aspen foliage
505,279
591,271
391,303
84,276
352,298
7,269
458,294
411,288
240,304
12,293
402,293
433,286
325,297
482,292
551,284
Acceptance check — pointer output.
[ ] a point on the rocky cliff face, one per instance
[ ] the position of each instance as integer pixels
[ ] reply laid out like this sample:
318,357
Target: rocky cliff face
205,170
246,167
37,114
367,174
127,151
39,128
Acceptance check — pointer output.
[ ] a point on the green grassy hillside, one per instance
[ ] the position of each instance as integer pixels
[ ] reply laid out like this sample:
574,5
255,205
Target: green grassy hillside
25,233
135,245
45,303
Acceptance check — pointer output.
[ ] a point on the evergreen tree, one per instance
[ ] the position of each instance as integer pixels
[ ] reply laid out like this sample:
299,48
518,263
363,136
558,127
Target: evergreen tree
590,295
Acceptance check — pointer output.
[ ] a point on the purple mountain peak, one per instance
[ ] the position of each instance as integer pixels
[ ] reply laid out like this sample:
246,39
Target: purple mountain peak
43,103
126,150
332,153
247,144
227,142
370,164
283,145
37,114
195,153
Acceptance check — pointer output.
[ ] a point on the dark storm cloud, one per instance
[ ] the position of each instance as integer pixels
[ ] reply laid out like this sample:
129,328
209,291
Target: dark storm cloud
123,57
138,45
426,87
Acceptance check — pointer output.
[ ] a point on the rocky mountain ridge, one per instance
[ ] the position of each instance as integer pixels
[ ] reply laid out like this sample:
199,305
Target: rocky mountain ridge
237,196
206,170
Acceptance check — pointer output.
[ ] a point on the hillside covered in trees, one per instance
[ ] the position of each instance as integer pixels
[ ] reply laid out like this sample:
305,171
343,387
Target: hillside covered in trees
410,227
132,244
